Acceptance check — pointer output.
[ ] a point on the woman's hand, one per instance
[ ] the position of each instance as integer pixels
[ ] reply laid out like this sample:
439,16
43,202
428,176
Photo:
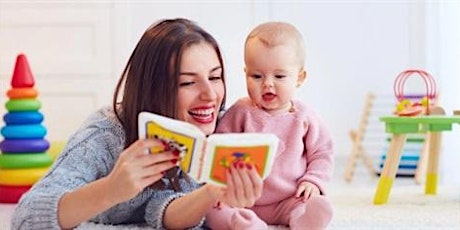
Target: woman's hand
244,186
135,169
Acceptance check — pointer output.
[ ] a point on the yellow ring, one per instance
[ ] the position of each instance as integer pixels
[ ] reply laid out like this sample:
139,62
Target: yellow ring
21,176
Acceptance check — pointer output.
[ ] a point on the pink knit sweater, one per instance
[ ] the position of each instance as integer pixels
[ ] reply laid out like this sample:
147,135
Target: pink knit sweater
305,150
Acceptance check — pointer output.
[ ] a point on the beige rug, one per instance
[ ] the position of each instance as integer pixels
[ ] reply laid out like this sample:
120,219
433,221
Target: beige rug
407,208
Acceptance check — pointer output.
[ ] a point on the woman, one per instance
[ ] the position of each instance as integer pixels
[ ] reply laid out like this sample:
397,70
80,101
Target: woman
103,174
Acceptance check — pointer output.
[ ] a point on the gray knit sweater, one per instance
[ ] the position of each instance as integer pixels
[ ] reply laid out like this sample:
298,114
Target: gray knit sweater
90,154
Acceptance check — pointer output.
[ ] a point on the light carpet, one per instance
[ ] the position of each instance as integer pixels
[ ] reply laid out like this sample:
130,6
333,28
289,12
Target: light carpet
407,208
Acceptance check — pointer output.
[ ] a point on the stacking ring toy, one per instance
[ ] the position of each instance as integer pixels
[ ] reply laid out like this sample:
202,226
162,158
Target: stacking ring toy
24,146
23,105
26,160
18,118
21,176
26,92
23,131
12,194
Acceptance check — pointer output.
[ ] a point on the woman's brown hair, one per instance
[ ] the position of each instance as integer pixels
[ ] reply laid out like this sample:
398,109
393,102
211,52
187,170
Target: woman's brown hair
150,78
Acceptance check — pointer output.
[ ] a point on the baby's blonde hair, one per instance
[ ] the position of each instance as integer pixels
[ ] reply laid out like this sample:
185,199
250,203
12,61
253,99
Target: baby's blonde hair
279,33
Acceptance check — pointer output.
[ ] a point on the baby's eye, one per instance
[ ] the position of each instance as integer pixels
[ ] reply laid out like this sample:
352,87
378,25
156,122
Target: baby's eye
186,83
256,76
280,76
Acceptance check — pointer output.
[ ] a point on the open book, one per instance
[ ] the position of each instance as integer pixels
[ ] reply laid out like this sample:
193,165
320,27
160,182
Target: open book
206,159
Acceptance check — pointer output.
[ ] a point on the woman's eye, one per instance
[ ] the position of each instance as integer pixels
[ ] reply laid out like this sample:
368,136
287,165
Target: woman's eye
215,78
186,83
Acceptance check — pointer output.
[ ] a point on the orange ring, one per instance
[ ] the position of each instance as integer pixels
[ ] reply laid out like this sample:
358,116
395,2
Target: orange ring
25,92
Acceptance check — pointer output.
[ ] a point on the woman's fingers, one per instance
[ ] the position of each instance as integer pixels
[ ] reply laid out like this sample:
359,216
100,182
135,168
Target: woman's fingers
150,159
256,180
248,198
135,169
244,185
141,147
240,184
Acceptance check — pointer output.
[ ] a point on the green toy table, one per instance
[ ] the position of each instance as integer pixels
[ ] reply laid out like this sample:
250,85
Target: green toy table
399,127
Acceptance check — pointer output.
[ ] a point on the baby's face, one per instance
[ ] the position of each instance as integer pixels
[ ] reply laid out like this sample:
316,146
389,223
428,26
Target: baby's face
272,75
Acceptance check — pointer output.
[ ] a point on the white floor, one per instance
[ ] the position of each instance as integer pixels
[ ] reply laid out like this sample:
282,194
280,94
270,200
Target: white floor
407,208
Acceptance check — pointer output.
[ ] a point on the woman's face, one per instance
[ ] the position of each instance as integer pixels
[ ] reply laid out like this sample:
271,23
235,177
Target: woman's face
201,87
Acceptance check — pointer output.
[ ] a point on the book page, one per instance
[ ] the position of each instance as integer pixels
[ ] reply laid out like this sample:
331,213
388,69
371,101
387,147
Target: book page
176,136
223,150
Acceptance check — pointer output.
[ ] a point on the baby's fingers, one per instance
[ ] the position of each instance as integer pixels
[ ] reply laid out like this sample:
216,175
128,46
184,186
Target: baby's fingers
300,190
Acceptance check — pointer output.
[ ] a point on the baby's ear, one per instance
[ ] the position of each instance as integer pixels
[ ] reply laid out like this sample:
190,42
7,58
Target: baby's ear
301,77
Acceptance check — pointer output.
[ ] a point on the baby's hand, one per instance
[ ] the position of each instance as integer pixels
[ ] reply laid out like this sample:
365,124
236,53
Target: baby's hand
307,190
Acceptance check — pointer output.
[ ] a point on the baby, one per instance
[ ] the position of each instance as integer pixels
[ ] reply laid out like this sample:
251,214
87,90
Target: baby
294,192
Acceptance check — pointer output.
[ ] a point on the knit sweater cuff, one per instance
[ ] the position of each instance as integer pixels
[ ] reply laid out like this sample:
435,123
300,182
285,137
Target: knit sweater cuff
44,215
162,211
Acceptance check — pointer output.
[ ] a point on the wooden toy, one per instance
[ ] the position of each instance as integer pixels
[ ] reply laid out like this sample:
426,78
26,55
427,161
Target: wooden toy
405,106
356,137
432,121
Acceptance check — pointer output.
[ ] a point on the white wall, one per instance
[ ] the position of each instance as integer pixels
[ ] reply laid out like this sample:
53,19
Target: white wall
443,57
78,50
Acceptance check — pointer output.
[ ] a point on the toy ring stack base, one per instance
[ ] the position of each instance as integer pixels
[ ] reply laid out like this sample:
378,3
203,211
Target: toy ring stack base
12,194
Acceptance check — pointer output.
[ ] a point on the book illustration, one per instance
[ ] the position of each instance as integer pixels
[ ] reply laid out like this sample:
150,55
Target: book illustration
207,159
225,156
179,142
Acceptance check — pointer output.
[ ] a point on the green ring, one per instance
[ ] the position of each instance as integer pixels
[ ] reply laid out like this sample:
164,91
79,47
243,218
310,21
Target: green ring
24,160
23,105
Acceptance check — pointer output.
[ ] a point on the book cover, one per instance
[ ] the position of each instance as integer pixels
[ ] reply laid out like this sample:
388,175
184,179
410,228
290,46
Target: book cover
206,159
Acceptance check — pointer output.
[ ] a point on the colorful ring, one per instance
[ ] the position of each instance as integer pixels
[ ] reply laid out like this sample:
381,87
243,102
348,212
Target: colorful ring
21,176
24,146
27,160
23,105
19,118
23,92
23,131
12,194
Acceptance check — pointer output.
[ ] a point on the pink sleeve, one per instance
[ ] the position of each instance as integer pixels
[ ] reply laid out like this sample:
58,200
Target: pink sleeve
319,150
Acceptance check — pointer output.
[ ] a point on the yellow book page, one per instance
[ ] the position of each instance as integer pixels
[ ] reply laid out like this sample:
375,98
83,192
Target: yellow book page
173,140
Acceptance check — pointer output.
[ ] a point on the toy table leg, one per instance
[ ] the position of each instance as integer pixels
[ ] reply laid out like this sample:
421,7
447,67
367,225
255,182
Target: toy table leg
433,162
390,168
423,161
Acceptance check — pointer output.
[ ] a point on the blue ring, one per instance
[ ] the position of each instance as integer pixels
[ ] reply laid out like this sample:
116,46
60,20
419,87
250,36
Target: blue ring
24,146
18,118
23,131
